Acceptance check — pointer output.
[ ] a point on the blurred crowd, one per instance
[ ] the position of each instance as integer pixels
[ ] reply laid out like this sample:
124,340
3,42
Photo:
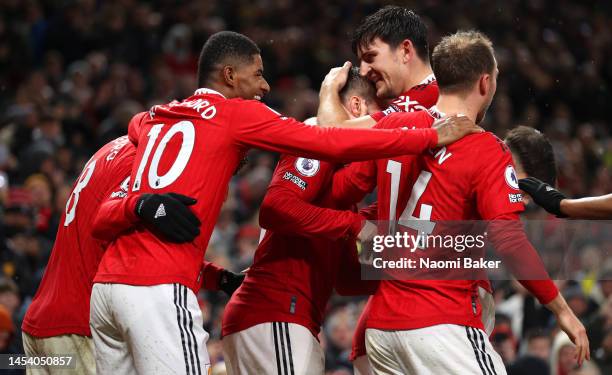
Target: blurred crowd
73,72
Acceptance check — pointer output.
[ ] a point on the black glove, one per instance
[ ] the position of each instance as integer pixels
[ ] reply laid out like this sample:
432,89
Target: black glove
543,194
230,281
168,215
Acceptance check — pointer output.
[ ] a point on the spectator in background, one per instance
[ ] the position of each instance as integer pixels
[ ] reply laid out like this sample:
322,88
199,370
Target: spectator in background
538,344
65,67
563,353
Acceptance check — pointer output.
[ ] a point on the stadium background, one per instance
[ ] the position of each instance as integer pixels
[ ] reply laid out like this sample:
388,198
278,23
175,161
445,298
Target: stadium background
73,72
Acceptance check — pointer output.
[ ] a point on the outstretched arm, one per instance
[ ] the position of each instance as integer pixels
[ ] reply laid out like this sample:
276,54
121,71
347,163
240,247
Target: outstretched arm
558,204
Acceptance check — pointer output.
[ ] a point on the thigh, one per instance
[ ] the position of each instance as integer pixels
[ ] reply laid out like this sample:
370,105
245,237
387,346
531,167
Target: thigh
164,328
112,354
80,347
31,349
448,349
381,347
273,348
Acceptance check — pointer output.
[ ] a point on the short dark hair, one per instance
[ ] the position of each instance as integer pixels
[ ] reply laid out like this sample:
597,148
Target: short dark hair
222,48
358,85
459,60
392,24
534,151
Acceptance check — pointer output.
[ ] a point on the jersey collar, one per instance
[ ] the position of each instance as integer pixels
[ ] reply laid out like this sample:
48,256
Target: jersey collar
429,79
435,113
204,91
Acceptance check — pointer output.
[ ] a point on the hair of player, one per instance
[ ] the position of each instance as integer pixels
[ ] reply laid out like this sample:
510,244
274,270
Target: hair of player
393,25
357,85
535,153
222,48
460,59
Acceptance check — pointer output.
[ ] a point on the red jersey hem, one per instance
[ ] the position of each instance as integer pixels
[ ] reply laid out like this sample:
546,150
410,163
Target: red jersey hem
55,331
397,325
146,280
231,328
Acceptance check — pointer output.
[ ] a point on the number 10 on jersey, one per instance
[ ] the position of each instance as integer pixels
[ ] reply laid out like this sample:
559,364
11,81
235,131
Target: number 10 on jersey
186,129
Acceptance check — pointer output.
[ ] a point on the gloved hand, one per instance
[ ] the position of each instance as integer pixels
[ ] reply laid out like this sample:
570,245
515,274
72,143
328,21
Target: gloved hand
543,194
168,215
230,281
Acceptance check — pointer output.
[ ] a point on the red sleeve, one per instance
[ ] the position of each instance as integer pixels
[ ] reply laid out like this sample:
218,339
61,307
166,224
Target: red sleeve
495,182
256,125
348,279
211,275
116,215
511,243
499,200
286,207
352,182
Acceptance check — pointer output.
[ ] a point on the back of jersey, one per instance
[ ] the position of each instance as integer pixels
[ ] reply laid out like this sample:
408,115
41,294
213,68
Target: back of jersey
61,303
472,179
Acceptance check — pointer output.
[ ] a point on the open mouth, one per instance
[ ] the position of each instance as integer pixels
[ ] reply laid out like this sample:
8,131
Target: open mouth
257,97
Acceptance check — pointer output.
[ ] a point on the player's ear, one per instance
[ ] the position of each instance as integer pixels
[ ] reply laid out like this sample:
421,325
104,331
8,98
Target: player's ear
355,106
484,84
229,75
407,50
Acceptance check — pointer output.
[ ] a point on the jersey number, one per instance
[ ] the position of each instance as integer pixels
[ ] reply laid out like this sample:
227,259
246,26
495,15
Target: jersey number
71,205
422,224
155,180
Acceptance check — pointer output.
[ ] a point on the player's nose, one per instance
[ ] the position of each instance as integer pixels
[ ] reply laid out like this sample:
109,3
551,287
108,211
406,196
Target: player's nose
265,87
364,68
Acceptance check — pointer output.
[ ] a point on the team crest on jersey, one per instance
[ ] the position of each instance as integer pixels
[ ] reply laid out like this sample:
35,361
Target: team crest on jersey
307,167
511,178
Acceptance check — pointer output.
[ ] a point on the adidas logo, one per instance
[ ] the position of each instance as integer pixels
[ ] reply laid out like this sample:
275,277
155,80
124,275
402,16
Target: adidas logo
161,211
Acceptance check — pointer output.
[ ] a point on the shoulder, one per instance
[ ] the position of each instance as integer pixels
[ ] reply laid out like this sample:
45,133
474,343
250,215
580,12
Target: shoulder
419,120
247,107
135,125
490,143
117,151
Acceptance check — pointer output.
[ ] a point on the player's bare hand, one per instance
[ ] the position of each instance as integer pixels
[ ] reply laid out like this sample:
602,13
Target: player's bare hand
336,78
570,324
367,233
453,128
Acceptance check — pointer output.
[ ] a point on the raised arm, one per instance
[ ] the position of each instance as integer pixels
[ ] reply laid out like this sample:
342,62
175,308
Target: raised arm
255,125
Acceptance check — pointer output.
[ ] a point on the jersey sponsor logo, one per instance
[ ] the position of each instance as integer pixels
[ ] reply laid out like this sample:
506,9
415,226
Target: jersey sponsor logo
296,180
391,109
511,178
515,198
307,167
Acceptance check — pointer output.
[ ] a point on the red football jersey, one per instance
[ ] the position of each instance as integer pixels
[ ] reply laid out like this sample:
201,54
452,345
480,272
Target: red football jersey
308,249
193,147
420,97
61,303
471,179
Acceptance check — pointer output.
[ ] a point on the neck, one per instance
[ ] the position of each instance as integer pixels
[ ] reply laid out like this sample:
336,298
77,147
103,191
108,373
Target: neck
418,72
451,104
220,88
